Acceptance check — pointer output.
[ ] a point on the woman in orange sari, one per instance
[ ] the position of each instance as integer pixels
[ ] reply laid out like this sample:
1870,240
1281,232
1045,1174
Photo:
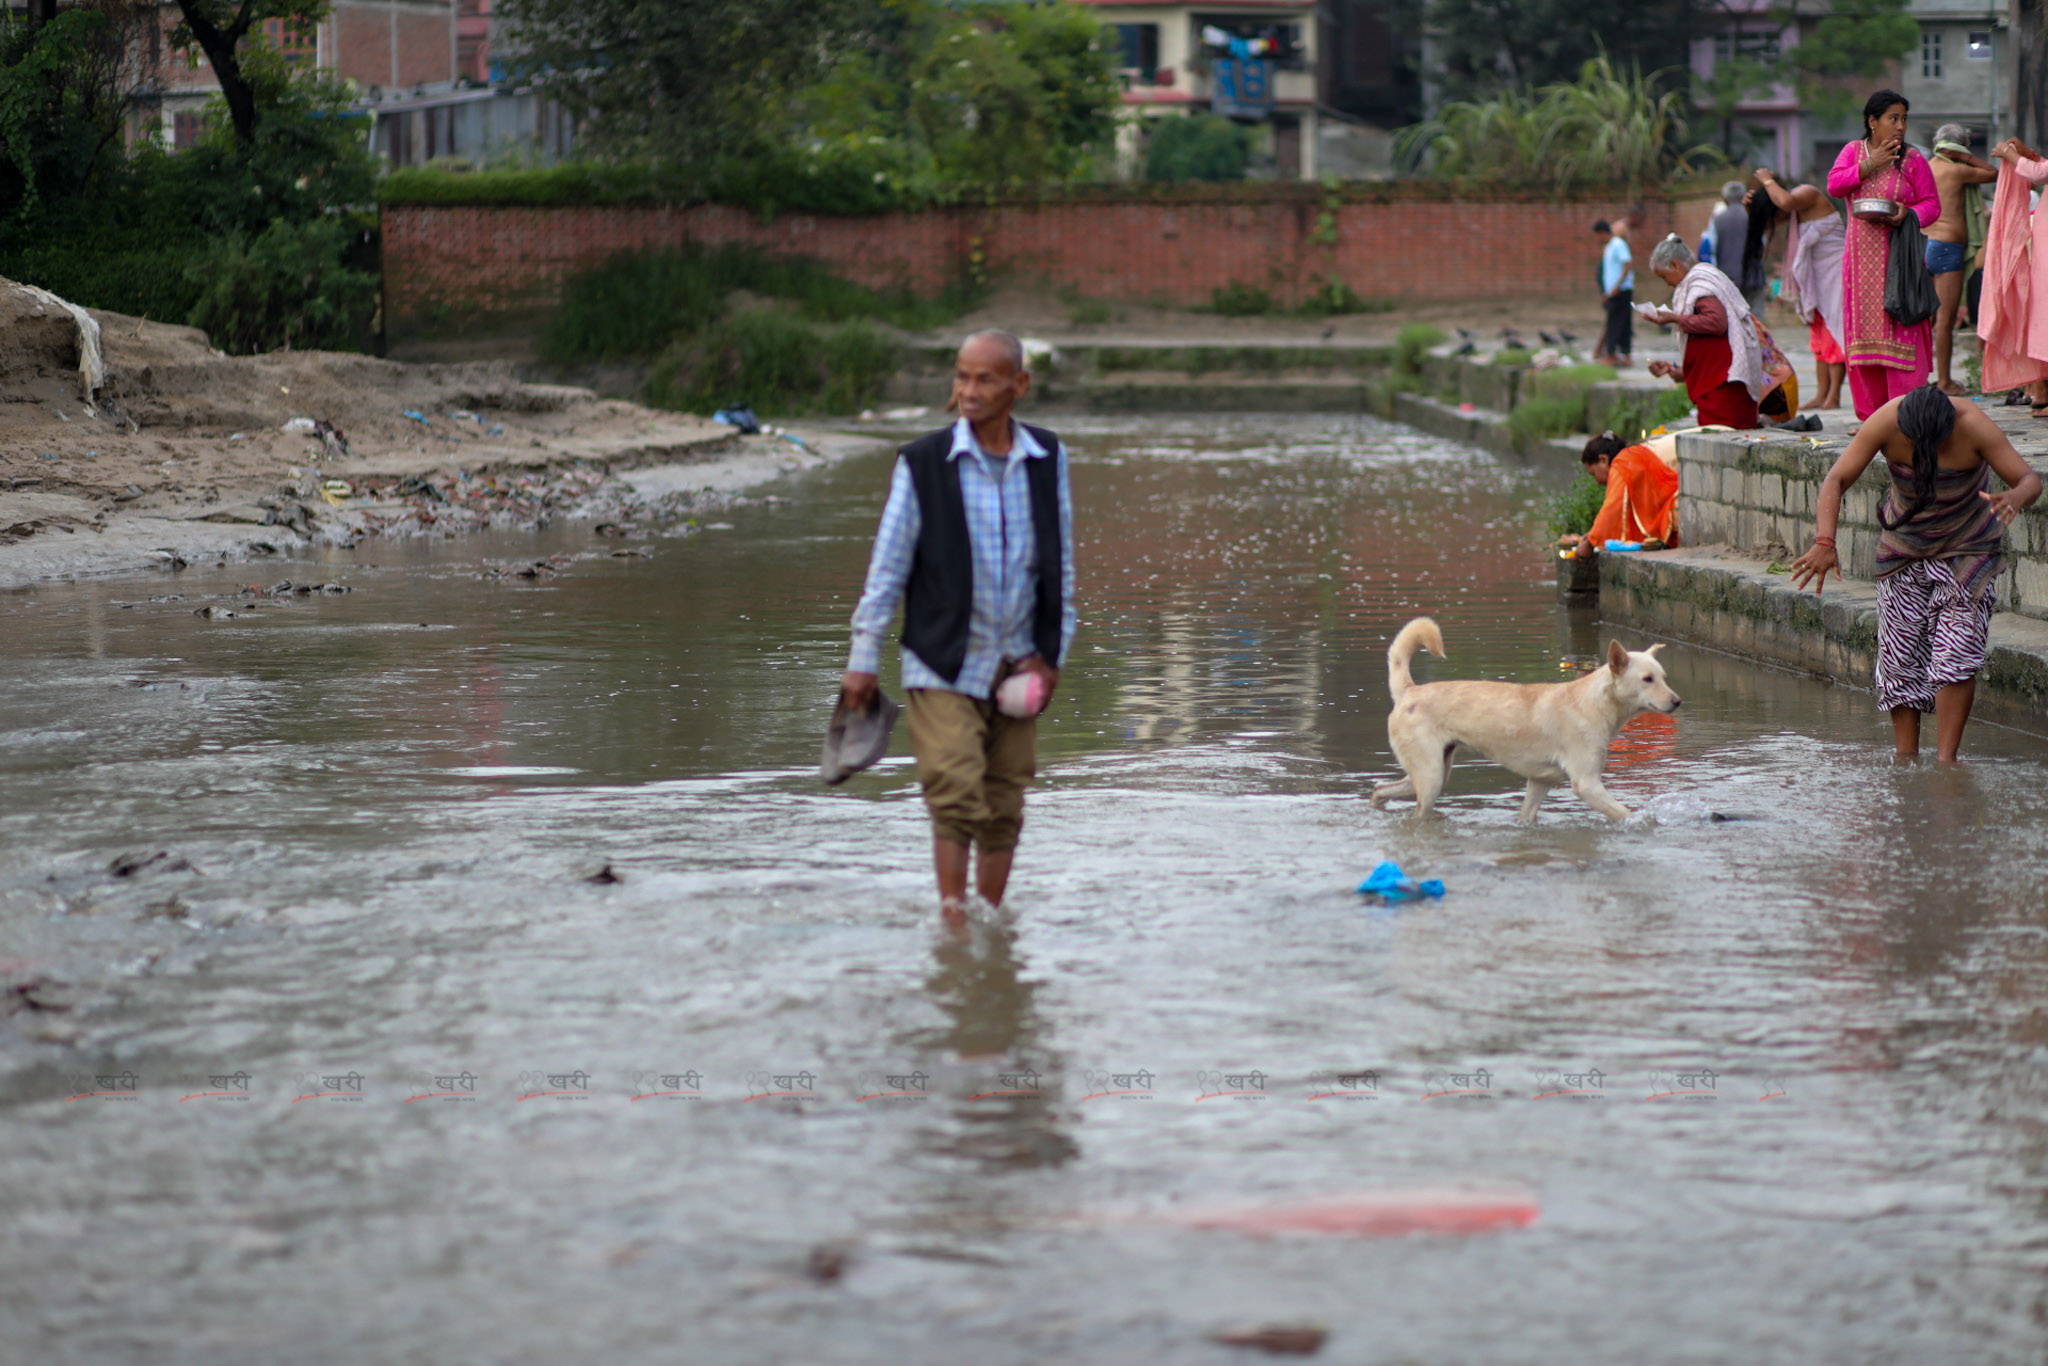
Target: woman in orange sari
1886,360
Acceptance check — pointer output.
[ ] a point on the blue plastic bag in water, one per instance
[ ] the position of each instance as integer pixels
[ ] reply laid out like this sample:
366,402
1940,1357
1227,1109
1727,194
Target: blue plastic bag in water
1390,882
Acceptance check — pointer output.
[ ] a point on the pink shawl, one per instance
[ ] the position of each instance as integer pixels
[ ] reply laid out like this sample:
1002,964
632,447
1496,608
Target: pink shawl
2008,301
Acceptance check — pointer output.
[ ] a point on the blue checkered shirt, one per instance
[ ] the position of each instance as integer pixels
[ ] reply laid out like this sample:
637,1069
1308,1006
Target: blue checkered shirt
997,495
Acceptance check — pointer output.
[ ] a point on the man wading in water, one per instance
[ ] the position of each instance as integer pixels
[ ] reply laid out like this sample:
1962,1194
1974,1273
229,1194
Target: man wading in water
978,541
1940,542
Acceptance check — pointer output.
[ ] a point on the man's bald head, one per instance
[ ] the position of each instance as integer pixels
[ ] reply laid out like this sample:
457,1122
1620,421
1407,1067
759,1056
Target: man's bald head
989,376
992,344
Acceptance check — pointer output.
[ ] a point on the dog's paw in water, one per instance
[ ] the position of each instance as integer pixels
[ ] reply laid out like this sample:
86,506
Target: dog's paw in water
1643,819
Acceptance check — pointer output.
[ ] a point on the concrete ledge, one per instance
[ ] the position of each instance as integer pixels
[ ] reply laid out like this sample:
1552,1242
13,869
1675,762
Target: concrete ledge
1486,429
1715,597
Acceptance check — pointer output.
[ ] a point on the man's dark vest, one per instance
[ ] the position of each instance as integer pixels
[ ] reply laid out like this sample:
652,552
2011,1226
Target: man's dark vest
939,598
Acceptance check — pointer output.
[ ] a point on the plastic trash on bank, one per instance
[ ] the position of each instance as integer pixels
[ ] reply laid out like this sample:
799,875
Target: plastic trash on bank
1389,883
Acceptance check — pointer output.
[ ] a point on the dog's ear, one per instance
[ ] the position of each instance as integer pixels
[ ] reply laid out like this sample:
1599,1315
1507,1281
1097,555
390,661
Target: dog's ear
1617,658
1654,648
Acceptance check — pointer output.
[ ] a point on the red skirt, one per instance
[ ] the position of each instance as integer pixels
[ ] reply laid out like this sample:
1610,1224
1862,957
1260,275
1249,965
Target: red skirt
1722,402
1826,349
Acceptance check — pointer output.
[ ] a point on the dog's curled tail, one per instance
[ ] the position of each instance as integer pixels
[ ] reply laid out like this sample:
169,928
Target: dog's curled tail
1419,634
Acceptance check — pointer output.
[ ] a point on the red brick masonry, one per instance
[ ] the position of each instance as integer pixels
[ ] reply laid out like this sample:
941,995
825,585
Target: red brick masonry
463,260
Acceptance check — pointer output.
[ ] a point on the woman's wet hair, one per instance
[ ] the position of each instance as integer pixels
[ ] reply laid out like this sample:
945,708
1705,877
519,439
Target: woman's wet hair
1874,107
1602,447
1927,417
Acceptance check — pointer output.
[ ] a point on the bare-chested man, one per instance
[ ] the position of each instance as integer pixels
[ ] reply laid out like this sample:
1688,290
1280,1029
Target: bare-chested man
1948,238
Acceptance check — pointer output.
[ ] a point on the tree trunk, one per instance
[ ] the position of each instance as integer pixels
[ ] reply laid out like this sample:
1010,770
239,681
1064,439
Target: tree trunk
41,12
219,45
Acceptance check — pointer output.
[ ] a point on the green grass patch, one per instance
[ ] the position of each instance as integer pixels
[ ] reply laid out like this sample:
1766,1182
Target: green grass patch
1512,355
775,363
1636,413
1240,300
1412,343
1556,405
1090,312
639,302
1333,297
1573,509
1539,419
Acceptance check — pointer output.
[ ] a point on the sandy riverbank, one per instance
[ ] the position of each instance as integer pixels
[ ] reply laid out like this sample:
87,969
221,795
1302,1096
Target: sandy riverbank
183,454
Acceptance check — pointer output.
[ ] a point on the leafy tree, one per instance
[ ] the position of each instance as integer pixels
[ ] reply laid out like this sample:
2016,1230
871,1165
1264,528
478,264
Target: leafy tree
1489,45
1200,147
1015,94
1602,128
65,78
218,28
690,80
1835,63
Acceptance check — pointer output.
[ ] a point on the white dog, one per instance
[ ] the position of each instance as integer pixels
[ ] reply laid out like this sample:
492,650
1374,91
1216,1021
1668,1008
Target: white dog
1550,733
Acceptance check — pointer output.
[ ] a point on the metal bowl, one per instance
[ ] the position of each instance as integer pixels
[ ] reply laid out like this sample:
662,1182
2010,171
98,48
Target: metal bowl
1873,210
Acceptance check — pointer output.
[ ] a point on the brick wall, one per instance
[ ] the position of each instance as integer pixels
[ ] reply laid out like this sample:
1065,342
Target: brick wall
484,259
361,34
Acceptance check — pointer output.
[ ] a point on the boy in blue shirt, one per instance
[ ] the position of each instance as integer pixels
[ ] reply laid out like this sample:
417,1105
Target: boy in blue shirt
1617,291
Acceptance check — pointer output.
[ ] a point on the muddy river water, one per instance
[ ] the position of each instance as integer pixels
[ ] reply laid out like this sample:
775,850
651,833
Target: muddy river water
365,1068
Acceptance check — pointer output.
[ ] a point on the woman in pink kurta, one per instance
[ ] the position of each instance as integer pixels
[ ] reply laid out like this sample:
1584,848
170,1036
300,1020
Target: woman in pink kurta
1886,361
2013,321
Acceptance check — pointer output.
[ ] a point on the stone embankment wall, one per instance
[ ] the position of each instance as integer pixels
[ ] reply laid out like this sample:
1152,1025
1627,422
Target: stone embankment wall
1746,507
1757,496
1144,246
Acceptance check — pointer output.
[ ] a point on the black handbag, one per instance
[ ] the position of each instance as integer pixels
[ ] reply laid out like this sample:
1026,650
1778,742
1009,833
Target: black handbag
1909,295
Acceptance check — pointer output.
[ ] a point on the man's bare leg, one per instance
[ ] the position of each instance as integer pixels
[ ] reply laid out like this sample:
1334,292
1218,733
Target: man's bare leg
949,860
1949,289
992,874
1834,376
1951,713
1906,730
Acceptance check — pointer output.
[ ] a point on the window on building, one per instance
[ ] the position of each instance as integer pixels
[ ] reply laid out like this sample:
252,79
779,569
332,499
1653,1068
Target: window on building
1979,46
1930,54
1138,50
186,129
1755,44
294,40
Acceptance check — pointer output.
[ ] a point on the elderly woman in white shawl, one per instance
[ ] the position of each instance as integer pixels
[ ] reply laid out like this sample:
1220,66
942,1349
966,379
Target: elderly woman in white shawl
1721,363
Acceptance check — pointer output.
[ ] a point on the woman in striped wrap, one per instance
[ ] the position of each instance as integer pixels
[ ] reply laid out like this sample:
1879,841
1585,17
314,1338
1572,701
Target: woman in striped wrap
1941,541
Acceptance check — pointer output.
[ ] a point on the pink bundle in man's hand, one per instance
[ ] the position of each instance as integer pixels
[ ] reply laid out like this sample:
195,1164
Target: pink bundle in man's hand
1021,694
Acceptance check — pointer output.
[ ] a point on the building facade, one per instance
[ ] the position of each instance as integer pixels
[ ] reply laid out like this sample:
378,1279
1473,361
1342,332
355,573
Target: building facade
1256,61
420,70
1962,70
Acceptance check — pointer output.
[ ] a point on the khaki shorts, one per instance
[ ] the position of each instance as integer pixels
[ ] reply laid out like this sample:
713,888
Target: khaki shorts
974,763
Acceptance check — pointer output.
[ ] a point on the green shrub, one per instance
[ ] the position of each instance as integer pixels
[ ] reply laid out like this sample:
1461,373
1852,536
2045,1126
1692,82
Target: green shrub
1639,411
1539,419
639,302
290,286
1240,300
1199,147
775,363
1089,312
1567,381
1556,402
1512,355
1572,511
1411,343
1333,297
